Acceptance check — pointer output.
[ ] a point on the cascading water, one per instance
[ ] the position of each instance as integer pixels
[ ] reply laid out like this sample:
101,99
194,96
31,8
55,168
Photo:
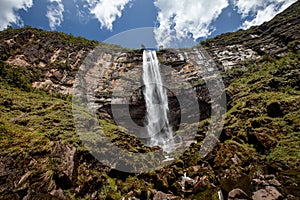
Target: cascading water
159,129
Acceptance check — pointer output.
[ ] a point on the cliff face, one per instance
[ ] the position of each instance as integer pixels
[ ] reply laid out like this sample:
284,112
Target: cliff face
51,62
256,157
54,57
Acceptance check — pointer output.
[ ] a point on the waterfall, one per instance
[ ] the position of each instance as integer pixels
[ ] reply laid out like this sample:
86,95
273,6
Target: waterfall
159,130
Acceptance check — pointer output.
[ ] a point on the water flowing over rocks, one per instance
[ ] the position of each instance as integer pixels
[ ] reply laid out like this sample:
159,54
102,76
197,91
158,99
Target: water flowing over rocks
159,130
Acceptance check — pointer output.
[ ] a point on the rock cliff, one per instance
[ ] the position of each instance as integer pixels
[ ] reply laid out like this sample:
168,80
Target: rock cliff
256,156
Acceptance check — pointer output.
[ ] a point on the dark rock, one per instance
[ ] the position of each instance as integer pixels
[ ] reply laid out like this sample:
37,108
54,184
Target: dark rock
274,110
234,180
290,181
274,182
8,103
265,140
201,184
265,180
274,83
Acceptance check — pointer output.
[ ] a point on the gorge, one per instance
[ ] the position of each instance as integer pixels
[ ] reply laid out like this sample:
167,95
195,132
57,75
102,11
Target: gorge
255,157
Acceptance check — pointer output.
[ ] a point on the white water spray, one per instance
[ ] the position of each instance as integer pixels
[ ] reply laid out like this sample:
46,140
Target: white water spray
159,129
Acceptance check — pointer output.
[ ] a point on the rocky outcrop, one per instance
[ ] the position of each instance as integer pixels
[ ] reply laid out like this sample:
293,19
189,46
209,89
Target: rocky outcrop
269,193
52,65
256,156
118,84
53,58
275,38
66,155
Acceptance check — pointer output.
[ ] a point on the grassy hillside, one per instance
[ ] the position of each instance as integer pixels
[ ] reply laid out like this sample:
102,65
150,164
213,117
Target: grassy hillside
261,132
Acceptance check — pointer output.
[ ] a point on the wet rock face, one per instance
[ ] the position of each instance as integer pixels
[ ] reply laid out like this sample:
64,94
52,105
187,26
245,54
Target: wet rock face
136,108
55,60
117,87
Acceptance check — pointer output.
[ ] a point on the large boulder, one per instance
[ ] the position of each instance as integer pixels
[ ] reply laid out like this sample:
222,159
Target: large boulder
269,193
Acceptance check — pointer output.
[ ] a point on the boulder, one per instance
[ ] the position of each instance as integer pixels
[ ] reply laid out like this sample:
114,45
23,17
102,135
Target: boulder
66,154
160,196
237,194
269,193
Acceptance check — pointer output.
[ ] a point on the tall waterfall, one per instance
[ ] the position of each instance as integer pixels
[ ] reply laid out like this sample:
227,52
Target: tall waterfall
159,129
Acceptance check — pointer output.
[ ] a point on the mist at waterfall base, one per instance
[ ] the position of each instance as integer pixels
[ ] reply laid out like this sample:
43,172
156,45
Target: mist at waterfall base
159,130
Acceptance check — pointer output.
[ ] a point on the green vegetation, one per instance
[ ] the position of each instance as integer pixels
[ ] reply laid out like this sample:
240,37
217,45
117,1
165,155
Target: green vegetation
264,112
34,114
15,76
36,44
63,37
41,153
261,129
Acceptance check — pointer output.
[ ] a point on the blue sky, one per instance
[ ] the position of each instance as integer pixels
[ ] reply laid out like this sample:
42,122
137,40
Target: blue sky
178,23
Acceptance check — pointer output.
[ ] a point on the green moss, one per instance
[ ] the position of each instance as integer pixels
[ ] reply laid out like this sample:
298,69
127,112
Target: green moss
286,151
290,178
34,115
211,194
110,190
15,76
263,116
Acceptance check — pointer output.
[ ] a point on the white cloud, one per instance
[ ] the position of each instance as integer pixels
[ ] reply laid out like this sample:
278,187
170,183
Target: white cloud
261,16
8,13
260,10
55,13
81,13
107,11
245,7
179,20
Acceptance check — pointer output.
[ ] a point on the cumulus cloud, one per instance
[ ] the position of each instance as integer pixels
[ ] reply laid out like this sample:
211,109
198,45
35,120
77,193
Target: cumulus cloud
55,13
260,11
245,7
178,20
8,13
107,11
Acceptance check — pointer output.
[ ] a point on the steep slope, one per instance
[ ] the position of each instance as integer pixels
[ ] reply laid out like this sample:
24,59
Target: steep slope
41,156
53,58
275,38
